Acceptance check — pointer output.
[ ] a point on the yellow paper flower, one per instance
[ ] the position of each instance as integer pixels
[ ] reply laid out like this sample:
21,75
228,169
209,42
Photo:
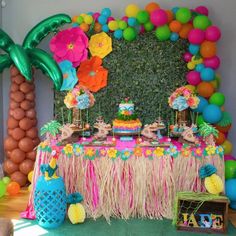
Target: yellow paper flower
90,152
138,151
100,45
70,100
68,149
112,152
186,152
148,152
211,150
159,152
44,144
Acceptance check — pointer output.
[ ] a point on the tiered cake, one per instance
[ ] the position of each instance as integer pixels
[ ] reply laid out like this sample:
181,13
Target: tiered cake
126,121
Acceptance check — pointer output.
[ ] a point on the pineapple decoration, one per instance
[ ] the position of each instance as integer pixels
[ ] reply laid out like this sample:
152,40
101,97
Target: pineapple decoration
213,183
209,133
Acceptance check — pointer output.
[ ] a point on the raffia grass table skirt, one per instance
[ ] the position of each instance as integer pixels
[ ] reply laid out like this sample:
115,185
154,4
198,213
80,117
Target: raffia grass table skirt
137,187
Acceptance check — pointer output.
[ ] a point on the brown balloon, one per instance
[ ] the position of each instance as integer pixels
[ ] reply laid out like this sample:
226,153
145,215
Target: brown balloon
34,122
10,144
36,141
31,155
31,113
17,96
18,134
8,154
25,123
18,177
12,123
9,131
17,156
26,166
11,112
14,105
32,133
26,105
14,71
25,87
30,96
18,113
9,166
26,144
19,79
14,87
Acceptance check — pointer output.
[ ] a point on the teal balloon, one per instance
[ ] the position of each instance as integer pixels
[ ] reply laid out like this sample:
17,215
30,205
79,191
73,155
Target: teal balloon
212,114
217,99
6,180
43,28
163,33
201,22
183,15
129,34
2,188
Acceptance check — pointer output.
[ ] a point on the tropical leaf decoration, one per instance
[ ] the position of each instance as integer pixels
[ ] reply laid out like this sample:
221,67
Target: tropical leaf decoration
52,128
207,129
26,56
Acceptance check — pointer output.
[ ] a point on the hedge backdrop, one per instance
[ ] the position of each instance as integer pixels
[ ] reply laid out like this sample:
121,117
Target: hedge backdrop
146,70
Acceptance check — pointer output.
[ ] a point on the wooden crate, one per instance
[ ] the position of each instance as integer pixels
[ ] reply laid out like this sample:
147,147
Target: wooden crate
209,216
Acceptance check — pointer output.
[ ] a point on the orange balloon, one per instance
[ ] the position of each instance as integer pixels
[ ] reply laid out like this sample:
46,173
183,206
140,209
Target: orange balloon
223,129
13,188
183,33
205,89
74,18
208,49
97,27
170,15
175,26
150,7
84,27
220,139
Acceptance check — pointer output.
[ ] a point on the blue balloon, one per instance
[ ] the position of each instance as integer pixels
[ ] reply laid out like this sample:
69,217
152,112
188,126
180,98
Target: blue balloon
193,49
102,20
74,25
207,74
106,12
174,37
118,34
105,28
201,105
212,114
175,9
199,67
132,21
230,191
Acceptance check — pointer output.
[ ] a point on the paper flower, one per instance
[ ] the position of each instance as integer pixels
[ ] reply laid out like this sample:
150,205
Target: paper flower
69,75
70,44
148,153
100,45
173,151
90,153
78,149
159,152
103,152
68,150
125,154
70,100
210,150
220,150
92,75
112,153
138,151
180,104
186,152
83,101
198,152
43,144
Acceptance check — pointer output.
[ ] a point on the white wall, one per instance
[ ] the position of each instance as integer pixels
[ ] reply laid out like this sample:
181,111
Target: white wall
19,16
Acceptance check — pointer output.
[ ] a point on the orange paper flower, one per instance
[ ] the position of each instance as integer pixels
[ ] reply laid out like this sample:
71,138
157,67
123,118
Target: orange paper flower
92,75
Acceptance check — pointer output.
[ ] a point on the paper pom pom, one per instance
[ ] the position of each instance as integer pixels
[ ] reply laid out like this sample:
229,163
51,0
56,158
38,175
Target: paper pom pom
76,213
206,171
74,198
214,184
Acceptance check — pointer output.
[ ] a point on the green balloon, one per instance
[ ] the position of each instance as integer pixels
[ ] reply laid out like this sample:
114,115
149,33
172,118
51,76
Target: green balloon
44,61
183,15
6,180
230,169
80,20
201,22
217,99
142,17
225,120
148,26
43,28
5,41
2,188
129,34
218,79
163,33
200,120
122,24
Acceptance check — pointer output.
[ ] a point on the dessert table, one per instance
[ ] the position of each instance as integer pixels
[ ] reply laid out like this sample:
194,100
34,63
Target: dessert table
128,180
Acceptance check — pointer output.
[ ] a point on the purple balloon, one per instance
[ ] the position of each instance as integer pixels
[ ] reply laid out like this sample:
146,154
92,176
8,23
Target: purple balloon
187,56
229,158
213,33
202,10
196,36
159,17
212,62
193,77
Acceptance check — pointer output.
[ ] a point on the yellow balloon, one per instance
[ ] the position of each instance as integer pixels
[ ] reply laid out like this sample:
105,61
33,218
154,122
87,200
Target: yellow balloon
30,176
228,147
88,19
132,10
30,188
197,61
113,25
190,87
214,83
191,65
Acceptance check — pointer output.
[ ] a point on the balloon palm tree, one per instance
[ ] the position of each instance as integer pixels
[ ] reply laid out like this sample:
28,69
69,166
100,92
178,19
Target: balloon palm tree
22,132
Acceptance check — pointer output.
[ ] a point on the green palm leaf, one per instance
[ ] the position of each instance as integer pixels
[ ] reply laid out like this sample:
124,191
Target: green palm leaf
5,41
43,28
44,61
5,61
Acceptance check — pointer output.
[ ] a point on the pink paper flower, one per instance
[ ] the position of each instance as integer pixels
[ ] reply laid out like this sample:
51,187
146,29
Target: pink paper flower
70,44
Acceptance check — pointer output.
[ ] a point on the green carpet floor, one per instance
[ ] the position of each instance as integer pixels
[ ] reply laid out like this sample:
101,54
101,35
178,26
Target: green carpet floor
133,227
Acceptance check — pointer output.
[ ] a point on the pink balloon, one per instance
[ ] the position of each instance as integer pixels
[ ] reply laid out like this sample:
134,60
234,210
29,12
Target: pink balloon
159,17
110,19
96,15
213,33
229,158
196,36
202,10
193,77
212,62
125,18
187,57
